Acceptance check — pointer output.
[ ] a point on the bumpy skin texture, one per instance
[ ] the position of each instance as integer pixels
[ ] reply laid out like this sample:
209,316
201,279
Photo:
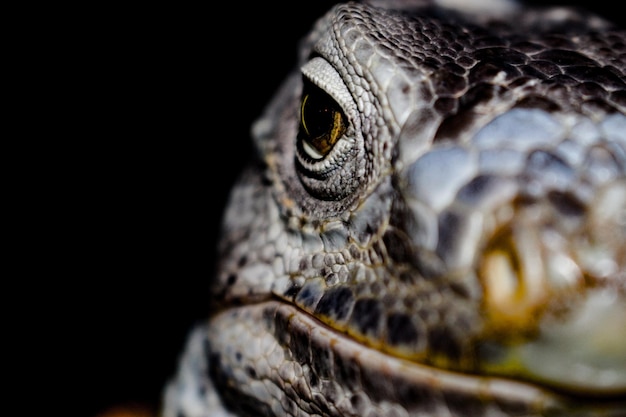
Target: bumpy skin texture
453,245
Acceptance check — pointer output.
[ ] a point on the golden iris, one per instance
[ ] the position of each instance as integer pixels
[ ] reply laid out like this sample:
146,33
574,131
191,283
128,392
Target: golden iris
322,121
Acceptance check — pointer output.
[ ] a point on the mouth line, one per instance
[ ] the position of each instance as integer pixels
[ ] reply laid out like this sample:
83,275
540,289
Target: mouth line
488,387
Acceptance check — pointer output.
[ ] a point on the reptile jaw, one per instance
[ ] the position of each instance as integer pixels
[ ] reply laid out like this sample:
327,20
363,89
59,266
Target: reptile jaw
290,347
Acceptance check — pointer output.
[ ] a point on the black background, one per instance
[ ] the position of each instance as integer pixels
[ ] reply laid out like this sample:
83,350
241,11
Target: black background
179,90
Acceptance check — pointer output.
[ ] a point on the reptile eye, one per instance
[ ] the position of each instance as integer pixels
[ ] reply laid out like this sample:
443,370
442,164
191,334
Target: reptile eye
322,122
329,143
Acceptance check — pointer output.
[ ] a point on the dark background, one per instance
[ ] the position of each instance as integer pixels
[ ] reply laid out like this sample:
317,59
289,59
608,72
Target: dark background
179,91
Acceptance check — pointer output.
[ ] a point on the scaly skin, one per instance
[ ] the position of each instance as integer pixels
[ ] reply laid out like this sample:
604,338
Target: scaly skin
435,226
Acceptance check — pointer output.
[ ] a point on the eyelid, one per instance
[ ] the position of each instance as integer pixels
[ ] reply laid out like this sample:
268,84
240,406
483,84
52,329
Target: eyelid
321,73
